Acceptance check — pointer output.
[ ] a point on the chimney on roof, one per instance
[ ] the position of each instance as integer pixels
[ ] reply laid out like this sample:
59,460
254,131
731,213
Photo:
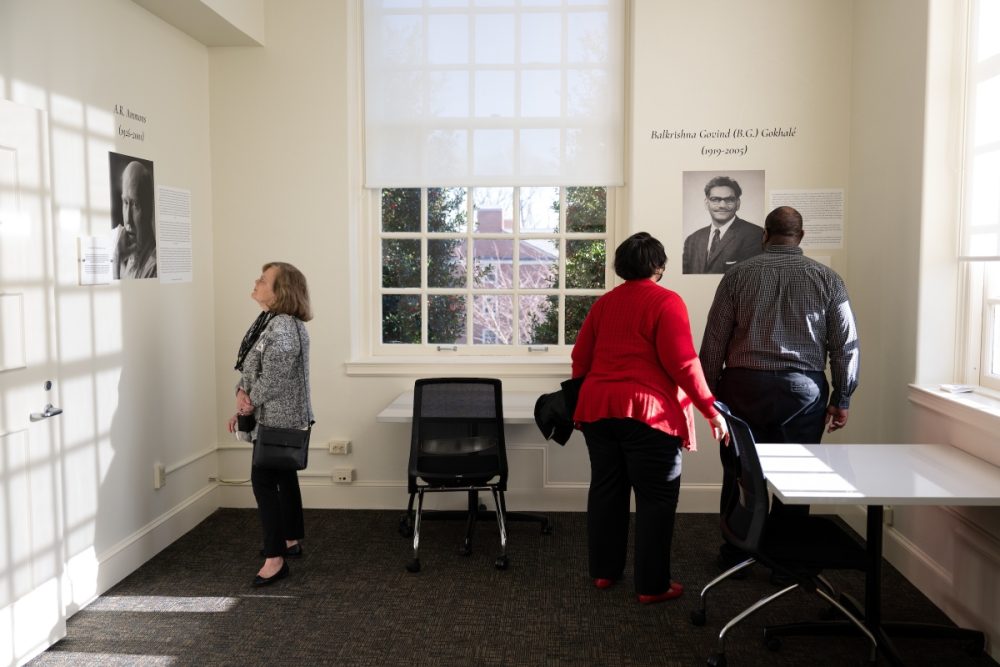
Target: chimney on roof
490,220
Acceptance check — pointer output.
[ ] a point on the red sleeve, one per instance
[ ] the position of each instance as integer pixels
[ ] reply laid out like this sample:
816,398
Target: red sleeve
583,348
675,349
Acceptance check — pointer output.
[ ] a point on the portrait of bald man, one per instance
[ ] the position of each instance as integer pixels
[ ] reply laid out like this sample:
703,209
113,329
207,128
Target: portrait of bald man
132,202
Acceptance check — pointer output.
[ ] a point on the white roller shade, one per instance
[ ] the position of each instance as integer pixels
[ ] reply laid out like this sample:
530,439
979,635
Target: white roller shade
493,92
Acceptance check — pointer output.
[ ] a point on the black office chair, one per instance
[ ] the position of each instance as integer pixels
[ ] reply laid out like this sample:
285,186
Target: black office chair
457,443
797,549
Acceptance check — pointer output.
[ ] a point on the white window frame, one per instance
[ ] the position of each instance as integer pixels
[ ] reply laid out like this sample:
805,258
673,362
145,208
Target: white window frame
980,281
491,291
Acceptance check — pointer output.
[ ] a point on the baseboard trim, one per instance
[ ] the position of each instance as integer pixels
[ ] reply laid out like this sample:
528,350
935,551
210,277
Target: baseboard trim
90,575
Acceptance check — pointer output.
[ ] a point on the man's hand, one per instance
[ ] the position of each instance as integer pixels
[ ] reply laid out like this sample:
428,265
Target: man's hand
836,418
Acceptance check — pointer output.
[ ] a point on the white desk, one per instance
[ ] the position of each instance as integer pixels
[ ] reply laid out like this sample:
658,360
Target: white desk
878,475
518,408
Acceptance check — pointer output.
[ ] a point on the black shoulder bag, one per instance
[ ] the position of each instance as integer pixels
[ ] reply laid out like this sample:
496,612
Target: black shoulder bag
279,448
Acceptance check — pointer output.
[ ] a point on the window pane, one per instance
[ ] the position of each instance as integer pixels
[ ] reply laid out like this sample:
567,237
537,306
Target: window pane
577,308
446,263
538,320
446,210
446,319
493,320
495,38
401,210
585,264
989,40
995,352
492,263
538,263
541,37
400,262
401,318
987,127
586,210
540,210
494,209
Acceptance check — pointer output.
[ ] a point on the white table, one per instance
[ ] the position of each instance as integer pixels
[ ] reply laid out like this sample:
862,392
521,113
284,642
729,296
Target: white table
518,408
875,476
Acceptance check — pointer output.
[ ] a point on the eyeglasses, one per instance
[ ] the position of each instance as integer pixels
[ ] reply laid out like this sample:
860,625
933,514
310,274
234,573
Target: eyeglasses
724,200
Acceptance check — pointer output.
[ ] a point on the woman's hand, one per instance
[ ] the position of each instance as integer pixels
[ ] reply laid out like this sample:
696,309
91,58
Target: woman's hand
243,404
720,431
231,424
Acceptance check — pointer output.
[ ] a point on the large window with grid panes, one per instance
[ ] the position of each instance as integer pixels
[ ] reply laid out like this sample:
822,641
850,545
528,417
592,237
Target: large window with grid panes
492,270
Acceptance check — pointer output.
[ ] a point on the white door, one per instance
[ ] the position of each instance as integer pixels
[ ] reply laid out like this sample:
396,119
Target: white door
32,559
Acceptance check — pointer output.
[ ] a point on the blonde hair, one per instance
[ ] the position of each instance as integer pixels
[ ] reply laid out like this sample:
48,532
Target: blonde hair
291,292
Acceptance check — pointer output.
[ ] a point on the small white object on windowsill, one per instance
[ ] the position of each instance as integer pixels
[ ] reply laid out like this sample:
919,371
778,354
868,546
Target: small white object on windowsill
957,388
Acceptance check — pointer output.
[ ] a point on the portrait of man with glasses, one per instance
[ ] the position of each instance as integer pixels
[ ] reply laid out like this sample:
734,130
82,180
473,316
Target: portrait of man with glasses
727,239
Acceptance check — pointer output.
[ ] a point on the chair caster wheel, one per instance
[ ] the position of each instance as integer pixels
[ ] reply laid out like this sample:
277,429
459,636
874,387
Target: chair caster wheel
698,617
405,527
413,565
501,563
717,660
546,528
772,643
465,550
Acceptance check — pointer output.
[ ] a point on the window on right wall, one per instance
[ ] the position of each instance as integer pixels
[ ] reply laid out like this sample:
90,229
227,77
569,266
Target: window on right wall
981,191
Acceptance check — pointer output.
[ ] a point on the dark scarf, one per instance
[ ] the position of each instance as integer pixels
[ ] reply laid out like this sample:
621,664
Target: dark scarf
253,333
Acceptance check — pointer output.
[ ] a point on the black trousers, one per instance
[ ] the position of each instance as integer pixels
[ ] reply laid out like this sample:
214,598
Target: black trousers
626,454
279,503
779,406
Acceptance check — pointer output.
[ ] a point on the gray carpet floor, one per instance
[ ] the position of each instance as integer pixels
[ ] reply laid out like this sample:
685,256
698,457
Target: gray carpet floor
349,601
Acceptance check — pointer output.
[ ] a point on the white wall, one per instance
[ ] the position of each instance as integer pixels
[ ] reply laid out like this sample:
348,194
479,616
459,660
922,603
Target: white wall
136,357
788,65
280,124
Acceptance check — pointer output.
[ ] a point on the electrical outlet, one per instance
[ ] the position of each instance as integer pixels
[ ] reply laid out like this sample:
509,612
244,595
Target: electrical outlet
340,446
159,475
343,475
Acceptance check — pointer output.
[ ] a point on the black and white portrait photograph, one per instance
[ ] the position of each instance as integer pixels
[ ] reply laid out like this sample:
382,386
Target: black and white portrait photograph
722,216
132,217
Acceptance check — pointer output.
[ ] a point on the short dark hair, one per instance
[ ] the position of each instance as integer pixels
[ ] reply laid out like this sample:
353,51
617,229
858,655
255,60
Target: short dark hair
724,182
291,292
639,256
783,221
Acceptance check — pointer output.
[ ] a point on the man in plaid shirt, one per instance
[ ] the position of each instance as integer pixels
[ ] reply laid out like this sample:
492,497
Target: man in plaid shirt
776,319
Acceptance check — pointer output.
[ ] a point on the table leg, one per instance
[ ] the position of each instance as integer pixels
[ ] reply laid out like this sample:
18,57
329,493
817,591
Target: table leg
873,574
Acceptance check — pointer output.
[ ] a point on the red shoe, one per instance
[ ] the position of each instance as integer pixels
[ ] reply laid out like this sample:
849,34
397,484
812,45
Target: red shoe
604,583
674,591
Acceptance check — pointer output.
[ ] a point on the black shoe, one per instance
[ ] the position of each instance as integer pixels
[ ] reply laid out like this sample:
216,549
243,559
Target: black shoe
264,581
294,551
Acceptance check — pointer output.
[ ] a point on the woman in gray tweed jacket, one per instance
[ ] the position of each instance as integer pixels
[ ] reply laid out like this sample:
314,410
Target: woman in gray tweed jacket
274,388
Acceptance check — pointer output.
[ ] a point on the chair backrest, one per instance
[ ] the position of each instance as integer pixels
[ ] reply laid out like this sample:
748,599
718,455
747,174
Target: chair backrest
457,437
744,505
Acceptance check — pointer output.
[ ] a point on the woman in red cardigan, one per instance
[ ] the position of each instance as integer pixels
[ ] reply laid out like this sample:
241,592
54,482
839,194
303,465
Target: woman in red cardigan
635,411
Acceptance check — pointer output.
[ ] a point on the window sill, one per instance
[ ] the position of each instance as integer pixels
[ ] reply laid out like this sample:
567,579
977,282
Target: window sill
979,409
503,367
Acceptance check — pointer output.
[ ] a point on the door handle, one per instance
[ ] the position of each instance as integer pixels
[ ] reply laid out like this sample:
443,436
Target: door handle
49,411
